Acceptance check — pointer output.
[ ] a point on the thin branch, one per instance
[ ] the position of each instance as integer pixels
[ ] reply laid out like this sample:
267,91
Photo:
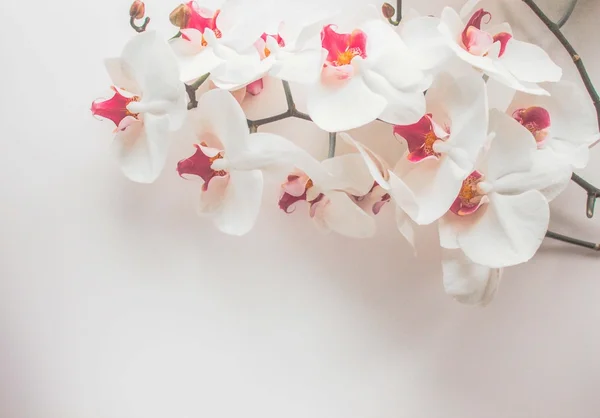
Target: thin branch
389,12
332,144
192,88
574,241
567,14
555,29
139,29
291,111
593,193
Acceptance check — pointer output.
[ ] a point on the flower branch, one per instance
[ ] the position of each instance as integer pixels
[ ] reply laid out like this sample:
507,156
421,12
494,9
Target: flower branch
389,12
291,111
593,192
192,88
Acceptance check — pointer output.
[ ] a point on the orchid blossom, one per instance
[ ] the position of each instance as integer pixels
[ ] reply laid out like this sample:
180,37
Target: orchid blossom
148,103
444,145
220,42
328,195
500,217
368,73
230,162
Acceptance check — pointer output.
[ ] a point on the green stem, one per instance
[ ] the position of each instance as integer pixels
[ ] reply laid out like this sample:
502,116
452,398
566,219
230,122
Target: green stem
291,111
332,144
191,90
139,29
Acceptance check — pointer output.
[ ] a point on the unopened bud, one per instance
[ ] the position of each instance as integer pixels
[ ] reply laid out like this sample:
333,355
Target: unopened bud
180,16
388,10
137,9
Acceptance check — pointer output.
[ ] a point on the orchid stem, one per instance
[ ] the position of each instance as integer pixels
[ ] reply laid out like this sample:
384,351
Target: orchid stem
592,191
398,18
567,14
574,241
139,29
191,90
291,111
332,144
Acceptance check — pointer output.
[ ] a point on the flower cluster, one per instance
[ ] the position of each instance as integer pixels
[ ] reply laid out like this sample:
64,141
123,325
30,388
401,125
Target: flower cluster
491,132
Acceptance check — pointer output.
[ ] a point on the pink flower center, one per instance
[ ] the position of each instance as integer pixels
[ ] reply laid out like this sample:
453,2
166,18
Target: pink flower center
420,137
295,189
478,42
200,164
536,120
114,108
469,198
277,38
343,47
202,19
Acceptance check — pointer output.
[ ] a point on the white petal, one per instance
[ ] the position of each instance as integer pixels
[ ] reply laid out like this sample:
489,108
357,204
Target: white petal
467,10
500,95
142,148
376,167
239,68
507,231
152,64
511,150
241,203
194,66
435,184
467,282
406,226
421,35
353,174
529,62
343,108
549,174
219,114
405,109
343,216
120,75
465,100
303,67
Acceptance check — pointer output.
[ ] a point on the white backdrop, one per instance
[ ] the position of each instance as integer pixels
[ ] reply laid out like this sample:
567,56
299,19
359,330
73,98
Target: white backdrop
116,301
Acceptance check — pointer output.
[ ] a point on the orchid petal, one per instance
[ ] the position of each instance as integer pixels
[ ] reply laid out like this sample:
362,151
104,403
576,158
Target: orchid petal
467,282
346,107
120,75
352,172
343,216
241,203
142,148
529,62
507,231
421,34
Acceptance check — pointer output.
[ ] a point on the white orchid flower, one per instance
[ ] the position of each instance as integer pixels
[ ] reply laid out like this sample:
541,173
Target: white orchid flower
149,101
563,124
230,162
444,145
220,42
492,50
328,194
368,73
500,217
387,187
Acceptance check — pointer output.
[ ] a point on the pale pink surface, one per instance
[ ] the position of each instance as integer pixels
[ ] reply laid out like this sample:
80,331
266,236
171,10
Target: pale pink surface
117,301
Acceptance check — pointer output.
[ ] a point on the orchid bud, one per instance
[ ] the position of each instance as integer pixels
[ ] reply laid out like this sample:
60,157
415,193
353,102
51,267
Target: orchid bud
388,10
137,9
180,16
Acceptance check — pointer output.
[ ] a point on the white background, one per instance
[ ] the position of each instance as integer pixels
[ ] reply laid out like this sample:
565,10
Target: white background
116,301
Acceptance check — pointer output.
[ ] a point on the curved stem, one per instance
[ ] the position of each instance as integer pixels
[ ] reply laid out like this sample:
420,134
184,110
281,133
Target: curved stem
398,18
567,14
139,29
332,144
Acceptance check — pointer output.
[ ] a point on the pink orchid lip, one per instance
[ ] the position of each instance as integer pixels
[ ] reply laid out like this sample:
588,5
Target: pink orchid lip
115,108
537,121
386,198
479,42
470,198
294,190
200,164
420,138
198,21
343,47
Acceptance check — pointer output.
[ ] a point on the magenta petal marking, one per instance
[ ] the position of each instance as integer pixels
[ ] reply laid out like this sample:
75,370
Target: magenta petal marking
343,47
114,108
199,165
475,21
536,119
255,88
199,21
381,203
469,198
277,37
503,38
416,133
